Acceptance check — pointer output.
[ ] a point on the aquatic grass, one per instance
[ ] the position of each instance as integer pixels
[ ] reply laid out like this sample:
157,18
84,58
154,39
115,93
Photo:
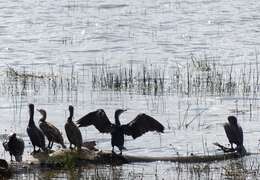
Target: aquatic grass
144,80
205,79
197,77
21,82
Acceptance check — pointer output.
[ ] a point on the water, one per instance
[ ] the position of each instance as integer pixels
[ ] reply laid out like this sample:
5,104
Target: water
74,31
69,39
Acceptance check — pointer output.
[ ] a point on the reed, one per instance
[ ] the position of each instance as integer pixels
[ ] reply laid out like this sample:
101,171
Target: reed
26,81
195,78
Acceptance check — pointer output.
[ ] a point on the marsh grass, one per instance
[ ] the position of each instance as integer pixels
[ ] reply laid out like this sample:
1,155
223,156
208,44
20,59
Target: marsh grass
143,80
26,81
199,77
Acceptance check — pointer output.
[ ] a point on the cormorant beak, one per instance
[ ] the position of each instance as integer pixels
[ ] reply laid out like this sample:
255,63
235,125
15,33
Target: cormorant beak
122,111
39,111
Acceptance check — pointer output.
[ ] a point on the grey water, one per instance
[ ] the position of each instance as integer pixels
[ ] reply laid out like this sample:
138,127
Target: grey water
69,39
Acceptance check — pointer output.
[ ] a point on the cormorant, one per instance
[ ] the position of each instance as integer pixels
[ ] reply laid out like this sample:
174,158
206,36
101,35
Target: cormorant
234,134
72,131
15,146
35,134
135,128
50,131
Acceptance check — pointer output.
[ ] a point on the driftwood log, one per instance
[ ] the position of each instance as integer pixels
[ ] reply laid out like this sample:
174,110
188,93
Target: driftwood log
71,158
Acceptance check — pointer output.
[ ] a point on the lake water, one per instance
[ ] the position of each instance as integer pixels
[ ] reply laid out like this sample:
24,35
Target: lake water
71,42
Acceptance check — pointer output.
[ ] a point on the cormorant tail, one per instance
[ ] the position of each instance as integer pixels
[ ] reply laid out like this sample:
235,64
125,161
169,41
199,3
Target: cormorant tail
241,150
18,158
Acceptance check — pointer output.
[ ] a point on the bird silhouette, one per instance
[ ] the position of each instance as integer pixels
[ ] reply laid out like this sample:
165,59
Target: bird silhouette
15,146
72,131
35,134
50,131
234,134
135,128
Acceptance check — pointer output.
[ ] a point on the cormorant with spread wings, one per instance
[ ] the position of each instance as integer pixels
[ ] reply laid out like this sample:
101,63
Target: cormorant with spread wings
135,128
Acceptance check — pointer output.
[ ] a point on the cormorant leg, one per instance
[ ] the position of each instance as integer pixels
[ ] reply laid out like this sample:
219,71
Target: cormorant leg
120,149
113,151
34,150
11,157
49,145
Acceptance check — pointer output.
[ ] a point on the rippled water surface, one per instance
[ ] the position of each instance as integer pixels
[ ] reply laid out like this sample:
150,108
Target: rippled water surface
67,49
128,31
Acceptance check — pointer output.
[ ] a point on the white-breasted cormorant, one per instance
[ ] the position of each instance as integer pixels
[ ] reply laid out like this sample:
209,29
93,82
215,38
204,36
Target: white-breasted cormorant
50,131
35,134
72,131
15,146
135,128
234,134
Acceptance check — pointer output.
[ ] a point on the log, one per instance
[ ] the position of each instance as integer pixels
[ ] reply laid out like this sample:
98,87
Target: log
66,159
185,159
107,157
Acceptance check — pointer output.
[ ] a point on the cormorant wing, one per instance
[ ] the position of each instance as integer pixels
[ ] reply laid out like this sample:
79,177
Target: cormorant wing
52,131
234,134
142,124
240,135
49,130
229,132
97,118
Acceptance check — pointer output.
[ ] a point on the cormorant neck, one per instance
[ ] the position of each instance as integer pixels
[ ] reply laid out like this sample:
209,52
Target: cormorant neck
31,121
69,119
71,110
43,118
117,120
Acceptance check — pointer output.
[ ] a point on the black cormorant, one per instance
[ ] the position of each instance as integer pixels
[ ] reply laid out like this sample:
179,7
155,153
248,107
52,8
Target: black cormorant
15,146
50,131
234,134
135,128
72,131
35,134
